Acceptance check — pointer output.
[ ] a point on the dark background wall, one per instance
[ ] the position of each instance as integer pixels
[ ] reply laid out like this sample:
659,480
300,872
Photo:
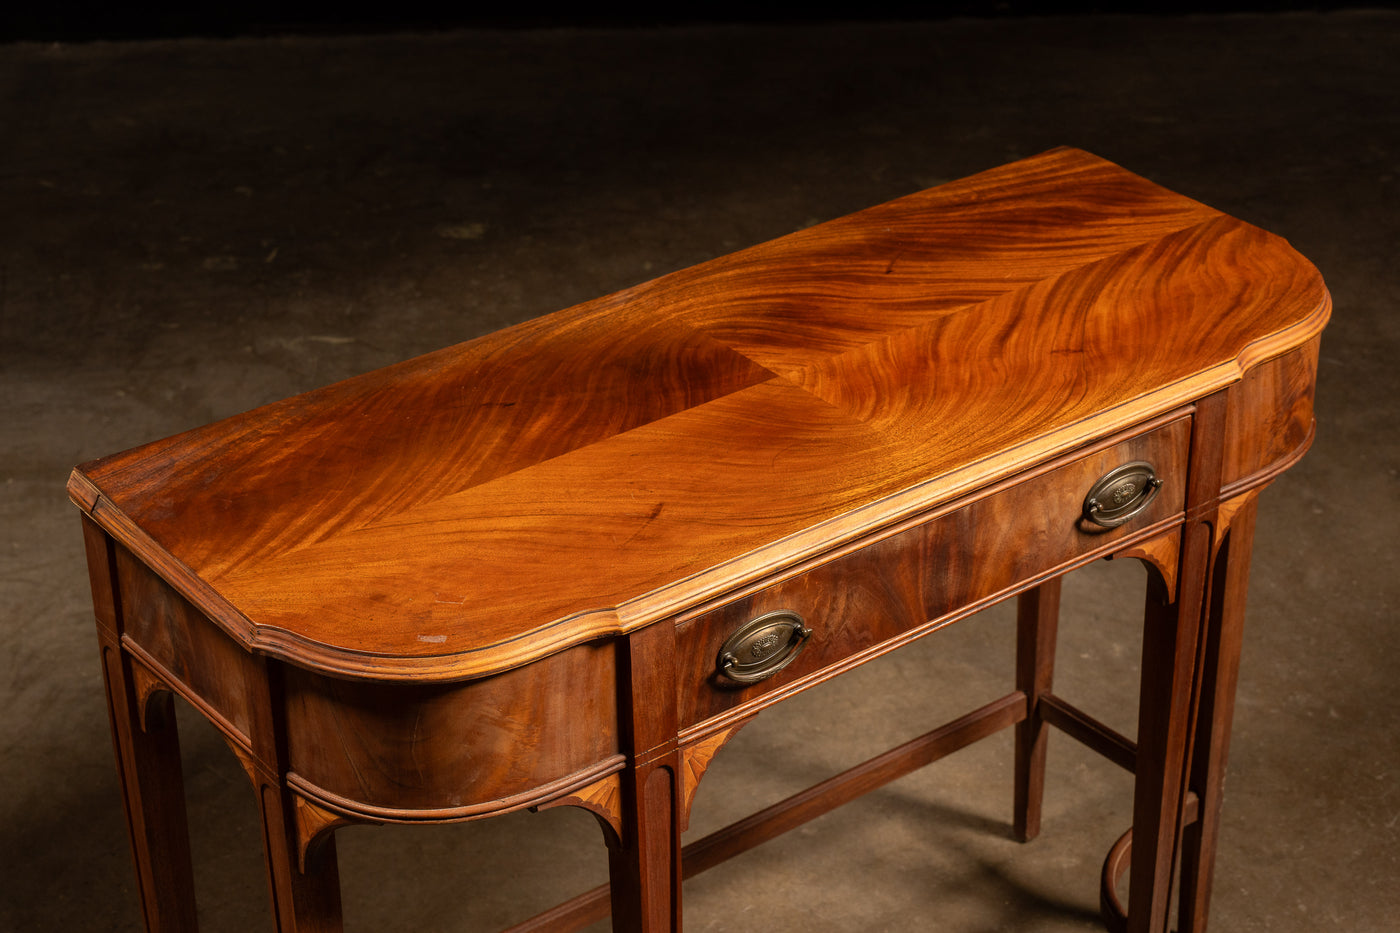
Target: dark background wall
81,20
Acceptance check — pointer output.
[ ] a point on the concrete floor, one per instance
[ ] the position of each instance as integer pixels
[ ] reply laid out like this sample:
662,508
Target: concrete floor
193,228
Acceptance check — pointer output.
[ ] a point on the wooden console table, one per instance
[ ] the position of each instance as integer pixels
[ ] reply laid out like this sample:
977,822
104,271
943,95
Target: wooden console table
565,562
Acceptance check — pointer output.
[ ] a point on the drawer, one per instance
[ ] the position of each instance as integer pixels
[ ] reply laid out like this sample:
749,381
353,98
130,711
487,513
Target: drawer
884,589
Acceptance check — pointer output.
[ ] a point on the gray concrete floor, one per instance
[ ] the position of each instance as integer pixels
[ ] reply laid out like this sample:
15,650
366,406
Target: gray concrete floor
189,228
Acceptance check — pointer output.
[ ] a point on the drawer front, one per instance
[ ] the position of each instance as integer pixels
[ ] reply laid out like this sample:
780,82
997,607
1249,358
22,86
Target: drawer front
891,586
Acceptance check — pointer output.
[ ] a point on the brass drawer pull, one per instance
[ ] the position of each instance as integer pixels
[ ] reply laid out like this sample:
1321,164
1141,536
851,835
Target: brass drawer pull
1121,493
762,647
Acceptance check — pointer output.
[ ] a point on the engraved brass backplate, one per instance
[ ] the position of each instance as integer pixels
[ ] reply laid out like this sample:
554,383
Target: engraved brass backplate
761,647
1121,493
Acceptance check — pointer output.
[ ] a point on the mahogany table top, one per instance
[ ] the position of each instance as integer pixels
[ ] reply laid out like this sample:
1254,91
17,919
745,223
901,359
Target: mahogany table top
601,468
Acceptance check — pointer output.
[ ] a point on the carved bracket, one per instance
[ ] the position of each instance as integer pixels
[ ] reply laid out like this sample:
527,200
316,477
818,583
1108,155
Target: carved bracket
1227,512
147,686
695,760
1161,554
245,758
314,825
602,798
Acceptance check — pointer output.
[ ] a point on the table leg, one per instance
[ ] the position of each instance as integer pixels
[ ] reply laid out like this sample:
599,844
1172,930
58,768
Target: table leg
153,789
644,867
303,900
644,864
305,891
1224,636
1169,646
1037,619
148,758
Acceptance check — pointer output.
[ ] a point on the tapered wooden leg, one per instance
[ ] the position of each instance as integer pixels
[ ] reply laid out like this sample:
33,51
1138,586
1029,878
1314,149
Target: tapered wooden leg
148,758
644,868
645,864
1037,620
1170,638
305,892
303,901
153,788
1224,636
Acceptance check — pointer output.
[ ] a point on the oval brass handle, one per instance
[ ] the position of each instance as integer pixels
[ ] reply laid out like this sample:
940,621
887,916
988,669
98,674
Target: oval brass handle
762,647
1121,493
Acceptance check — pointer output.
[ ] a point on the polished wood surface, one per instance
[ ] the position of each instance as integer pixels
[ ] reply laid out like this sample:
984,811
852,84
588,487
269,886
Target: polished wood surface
949,564
673,440
510,574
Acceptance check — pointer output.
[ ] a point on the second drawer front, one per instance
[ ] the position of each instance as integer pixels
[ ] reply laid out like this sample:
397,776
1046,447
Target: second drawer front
884,589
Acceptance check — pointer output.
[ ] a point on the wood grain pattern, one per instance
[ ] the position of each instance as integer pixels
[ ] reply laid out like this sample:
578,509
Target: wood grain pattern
695,761
901,583
1161,554
314,825
602,798
183,649
1271,417
453,751
589,473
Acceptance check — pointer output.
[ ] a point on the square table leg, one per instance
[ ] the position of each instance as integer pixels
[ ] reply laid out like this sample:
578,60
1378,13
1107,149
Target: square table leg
1220,674
644,864
305,898
1171,668
153,789
148,759
1037,621
304,883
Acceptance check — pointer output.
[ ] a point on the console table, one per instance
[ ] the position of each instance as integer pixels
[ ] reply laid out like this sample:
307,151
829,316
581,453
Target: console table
563,563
